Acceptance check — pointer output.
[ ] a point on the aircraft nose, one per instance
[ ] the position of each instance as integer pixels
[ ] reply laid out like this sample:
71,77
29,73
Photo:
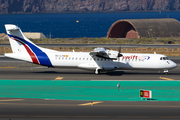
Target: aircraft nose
174,65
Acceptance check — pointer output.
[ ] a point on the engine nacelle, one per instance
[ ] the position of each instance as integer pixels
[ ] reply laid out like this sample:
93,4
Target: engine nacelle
112,54
102,52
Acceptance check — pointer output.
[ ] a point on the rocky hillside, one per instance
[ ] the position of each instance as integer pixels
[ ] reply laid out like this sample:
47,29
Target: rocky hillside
65,6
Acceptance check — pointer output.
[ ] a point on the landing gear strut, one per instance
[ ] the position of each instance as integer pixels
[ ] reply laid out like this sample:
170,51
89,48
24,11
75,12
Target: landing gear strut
97,71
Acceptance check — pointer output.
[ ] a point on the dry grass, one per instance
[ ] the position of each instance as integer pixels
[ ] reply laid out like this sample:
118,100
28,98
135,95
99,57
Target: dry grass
165,51
104,40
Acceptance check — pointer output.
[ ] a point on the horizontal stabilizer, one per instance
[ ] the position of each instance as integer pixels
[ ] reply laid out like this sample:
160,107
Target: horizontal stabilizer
11,27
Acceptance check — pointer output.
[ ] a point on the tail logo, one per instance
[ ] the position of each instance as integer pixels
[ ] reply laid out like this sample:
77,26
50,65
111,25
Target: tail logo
36,54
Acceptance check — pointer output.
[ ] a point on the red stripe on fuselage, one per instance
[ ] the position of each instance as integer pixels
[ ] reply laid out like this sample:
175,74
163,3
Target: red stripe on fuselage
32,55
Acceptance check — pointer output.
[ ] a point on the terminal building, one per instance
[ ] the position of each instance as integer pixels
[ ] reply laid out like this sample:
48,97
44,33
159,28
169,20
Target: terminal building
34,35
139,28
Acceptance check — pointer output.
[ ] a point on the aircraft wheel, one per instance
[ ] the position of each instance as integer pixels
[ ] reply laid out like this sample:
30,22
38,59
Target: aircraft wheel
166,73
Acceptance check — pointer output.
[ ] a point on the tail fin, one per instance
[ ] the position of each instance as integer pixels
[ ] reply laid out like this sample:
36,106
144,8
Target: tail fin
22,46
16,38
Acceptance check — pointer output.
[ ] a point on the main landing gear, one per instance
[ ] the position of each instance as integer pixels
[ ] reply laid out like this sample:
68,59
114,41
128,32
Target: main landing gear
97,71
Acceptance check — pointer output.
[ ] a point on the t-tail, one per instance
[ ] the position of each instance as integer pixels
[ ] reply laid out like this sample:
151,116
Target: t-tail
24,49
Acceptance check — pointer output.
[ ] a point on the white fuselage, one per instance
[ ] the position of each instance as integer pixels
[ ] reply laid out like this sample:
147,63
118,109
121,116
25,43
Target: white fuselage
129,61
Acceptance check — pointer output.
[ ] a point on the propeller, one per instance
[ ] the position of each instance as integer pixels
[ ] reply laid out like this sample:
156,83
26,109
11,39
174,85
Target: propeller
119,53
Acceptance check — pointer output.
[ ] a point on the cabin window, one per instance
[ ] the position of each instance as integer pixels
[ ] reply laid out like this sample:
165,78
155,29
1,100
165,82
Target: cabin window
72,58
90,58
87,59
164,58
79,58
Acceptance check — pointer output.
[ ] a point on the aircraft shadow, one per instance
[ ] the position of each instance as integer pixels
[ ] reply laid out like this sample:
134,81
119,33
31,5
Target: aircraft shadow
120,73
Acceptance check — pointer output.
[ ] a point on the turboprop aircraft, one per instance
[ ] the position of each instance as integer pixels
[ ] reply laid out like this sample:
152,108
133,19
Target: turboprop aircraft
97,60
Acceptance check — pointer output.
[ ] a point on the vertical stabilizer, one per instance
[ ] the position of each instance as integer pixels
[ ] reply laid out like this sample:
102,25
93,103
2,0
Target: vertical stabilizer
16,38
23,48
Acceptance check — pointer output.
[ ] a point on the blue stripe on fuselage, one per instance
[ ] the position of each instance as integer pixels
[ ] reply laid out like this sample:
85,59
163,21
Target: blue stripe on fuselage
42,56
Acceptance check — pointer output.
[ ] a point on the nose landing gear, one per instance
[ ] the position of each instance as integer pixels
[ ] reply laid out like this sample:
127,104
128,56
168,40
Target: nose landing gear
166,72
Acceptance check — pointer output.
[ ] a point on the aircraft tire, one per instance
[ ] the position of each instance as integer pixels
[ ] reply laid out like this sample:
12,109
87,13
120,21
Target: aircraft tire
166,73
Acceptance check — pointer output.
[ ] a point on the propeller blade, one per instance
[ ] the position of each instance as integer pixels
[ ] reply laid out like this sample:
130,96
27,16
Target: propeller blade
119,53
120,49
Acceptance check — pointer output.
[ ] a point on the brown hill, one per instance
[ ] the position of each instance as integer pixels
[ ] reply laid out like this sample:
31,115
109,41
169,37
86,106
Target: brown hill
64,6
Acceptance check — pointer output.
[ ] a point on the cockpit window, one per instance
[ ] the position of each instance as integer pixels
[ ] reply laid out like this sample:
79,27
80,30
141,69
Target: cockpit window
164,58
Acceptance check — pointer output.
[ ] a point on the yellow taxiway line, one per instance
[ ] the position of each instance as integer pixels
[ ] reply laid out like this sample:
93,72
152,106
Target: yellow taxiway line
8,67
91,103
11,100
166,78
59,78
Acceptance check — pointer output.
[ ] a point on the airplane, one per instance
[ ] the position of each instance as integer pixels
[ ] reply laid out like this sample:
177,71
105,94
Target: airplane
98,60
